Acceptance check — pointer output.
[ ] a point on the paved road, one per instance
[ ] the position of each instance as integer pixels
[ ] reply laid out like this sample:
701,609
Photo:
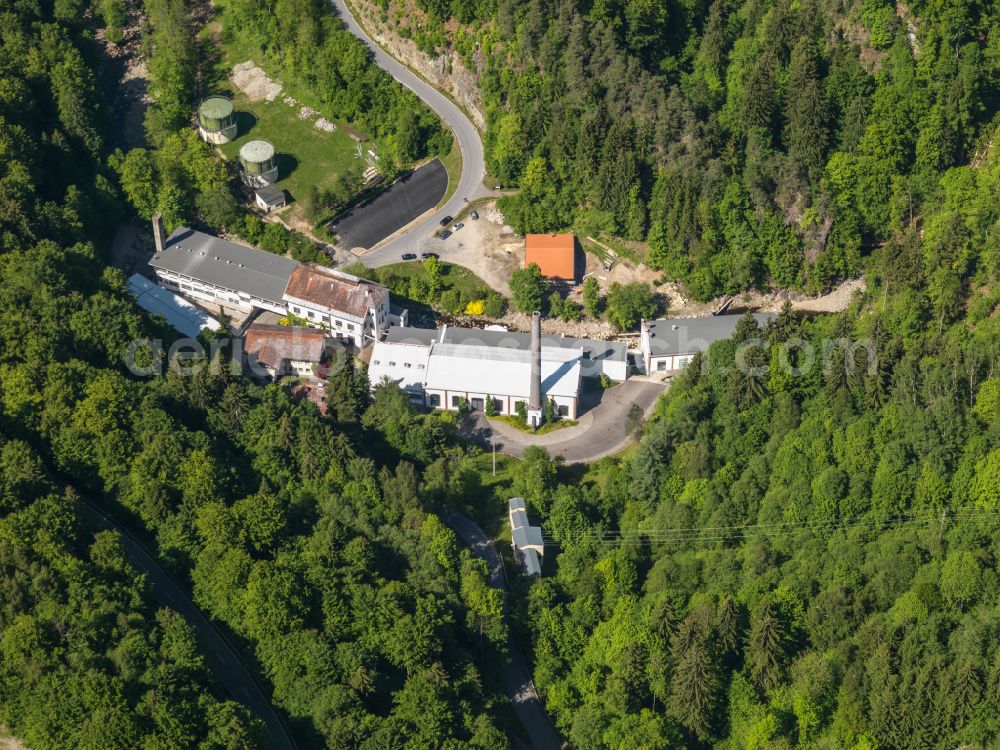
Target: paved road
602,430
220,655
419,238
516,678
407,199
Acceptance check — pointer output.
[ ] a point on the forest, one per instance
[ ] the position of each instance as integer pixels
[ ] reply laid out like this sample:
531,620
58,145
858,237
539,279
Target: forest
749,144
312,540
798,553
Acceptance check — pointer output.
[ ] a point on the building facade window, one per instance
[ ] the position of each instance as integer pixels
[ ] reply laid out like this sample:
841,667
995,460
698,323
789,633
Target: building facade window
455,401
434,399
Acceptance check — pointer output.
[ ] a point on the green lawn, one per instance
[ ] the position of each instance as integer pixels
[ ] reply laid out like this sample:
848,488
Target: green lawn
453,276
306,155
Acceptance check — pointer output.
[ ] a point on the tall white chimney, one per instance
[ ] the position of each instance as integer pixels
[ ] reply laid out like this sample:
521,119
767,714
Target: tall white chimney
535,391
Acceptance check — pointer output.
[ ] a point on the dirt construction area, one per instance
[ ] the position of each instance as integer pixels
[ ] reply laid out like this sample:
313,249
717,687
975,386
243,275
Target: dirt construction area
486,249
492,251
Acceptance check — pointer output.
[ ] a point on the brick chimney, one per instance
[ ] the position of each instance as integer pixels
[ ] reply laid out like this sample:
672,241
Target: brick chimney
159,238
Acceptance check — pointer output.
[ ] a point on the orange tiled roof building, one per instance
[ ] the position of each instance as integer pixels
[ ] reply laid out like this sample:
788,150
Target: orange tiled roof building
555,255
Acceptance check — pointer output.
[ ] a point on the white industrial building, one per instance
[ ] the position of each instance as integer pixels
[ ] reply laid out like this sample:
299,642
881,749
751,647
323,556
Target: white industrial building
669,344
402,358
529,547
457,373
219,272
441,368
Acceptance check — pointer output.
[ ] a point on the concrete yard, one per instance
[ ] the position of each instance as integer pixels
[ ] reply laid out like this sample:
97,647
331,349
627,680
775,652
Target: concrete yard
601,430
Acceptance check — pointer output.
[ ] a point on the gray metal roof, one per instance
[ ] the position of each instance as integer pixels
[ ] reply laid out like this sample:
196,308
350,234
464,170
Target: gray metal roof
519,519
271,193
516,503
688,335
593,349
178,312
417,336
225,264
527,536
532,563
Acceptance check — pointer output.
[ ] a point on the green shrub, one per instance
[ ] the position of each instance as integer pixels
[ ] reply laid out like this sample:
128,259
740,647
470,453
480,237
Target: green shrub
496,305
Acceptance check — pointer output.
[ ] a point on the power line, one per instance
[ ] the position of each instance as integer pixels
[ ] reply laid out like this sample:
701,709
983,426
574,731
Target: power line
681,535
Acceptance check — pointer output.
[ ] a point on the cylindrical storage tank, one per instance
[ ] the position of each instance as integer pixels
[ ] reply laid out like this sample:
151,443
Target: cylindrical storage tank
216,120
258,163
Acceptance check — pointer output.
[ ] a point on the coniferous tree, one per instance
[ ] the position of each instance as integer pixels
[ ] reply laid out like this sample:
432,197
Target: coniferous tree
765,652
728,625
758,104
347,392
805,113
694,687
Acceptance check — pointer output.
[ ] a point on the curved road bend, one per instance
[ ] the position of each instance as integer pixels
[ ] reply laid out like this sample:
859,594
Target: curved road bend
220,655
517,680
470,185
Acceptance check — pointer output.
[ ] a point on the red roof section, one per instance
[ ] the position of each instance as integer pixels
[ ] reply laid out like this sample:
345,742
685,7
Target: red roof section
554,254
338,291
272,344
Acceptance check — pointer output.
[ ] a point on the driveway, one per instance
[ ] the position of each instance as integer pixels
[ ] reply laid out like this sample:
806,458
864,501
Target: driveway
516,678
408,198
602,430
470,184
220,655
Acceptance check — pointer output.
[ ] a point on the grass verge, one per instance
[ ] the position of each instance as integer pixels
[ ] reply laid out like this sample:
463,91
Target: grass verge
453,166
516,422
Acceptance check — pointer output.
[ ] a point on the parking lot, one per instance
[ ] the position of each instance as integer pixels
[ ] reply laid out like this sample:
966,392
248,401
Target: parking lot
414,194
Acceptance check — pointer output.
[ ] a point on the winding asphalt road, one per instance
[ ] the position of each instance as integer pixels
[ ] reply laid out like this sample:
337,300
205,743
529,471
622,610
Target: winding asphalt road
517,680
220,655
420,237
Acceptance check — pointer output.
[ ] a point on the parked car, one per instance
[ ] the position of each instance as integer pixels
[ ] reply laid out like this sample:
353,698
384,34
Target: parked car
444,234
445,221
474,215
457,227
425,256
409,256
